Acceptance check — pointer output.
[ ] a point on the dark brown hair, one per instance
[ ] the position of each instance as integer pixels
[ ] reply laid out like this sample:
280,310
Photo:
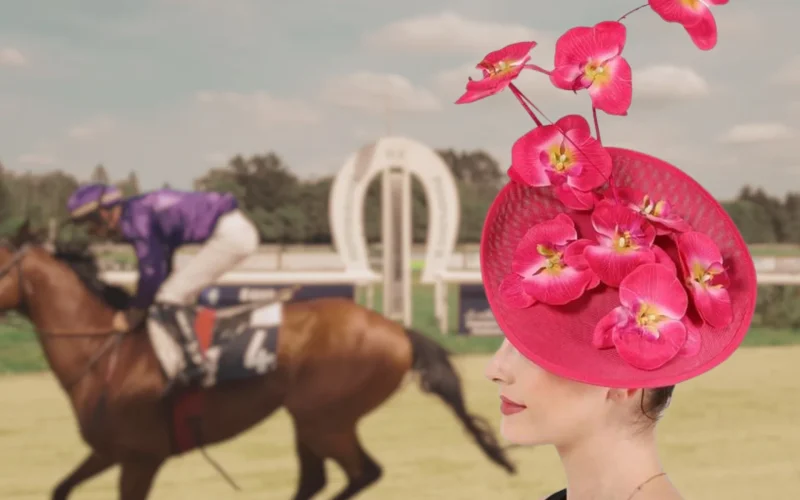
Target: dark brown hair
655,401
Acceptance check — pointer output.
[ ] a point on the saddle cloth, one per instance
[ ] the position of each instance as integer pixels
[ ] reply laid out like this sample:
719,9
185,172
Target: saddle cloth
237,342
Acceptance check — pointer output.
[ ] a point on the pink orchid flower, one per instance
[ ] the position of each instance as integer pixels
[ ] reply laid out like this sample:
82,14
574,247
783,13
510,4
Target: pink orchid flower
647,328
624,242
499,69
694,15
548,266
564,155
693,339
706,278
658,212
589,58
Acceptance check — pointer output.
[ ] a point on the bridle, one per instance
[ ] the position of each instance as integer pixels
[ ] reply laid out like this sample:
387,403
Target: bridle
114,336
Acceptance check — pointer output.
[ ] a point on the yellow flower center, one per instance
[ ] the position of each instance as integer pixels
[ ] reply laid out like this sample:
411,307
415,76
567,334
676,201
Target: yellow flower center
648,317
554,264
498,69
598,73
649,208
561,158
692,4
703,276
623,241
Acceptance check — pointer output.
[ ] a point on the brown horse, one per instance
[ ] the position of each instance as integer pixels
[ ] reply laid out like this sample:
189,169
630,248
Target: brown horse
336,362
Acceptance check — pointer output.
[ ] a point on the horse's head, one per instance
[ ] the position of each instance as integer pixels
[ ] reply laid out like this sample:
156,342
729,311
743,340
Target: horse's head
12,253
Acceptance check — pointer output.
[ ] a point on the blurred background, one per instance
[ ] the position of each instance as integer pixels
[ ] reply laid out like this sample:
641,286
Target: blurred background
268,100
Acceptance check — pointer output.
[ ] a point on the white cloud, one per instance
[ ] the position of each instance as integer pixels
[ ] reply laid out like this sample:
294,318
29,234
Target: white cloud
448,32
12,57
667,82
91,129
756,132
377,92
38,159
789,73
260,106
218,158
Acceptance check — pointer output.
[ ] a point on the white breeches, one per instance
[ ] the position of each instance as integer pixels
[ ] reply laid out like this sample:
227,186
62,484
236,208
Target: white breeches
234,238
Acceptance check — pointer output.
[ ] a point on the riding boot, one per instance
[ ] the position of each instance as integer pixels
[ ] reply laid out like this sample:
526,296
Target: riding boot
176,317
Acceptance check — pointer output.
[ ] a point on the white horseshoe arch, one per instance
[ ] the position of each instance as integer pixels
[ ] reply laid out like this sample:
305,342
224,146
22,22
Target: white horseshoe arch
346,203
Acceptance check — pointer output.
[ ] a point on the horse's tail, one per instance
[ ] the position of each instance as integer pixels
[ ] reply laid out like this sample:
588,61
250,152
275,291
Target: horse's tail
438,376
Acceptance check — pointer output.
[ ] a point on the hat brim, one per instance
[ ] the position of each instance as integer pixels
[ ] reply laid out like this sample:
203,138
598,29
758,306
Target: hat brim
559,338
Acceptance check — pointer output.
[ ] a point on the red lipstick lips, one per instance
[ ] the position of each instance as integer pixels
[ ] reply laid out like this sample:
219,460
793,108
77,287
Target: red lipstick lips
508,407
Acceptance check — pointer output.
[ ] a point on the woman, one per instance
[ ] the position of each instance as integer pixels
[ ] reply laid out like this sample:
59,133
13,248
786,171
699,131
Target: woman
613,275
157,224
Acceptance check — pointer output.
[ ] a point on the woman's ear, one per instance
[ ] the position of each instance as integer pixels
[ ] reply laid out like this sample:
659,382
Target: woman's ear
622,395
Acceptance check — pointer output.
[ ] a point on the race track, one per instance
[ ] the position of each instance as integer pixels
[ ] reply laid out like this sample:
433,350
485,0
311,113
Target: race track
733,434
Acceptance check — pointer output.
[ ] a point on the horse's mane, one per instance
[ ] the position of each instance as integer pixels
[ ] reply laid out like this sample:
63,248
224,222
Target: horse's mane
84,263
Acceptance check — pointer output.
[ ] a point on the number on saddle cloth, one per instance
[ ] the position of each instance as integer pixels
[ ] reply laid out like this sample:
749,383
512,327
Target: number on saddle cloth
236,344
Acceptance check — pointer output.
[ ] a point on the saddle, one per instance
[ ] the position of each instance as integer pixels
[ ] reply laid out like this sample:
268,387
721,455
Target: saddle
234,343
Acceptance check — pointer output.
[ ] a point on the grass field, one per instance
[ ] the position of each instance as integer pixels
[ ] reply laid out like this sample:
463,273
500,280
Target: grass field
732,434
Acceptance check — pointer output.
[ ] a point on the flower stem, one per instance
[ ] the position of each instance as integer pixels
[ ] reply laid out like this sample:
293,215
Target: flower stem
537,68
596,125
631,12
536,108
522,100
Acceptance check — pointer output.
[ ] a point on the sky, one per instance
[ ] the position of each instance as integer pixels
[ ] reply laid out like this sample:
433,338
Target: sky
171,88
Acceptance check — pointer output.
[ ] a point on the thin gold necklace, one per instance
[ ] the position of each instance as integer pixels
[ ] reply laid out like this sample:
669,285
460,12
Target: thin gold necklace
639,488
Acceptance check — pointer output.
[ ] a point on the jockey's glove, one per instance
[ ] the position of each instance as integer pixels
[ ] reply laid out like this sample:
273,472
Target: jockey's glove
129,319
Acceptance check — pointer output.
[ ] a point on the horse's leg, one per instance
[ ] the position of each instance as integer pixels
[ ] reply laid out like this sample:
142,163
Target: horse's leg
92,465
342,446
312,471
136,478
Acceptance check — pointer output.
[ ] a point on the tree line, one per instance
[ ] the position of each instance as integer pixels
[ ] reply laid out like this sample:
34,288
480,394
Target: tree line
288,209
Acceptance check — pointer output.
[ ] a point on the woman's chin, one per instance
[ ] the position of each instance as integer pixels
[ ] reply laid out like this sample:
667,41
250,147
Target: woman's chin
518,432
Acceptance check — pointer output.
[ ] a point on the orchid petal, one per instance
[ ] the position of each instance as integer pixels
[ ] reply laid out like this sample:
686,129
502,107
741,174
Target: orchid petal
697,248
573,255
676,11
558,231
557,287
611,36
612,266
602,337
646,352
693,339
525,155
608,218
664,259
476,95
596,165
514,175
516,52
574,199
615,94
567,78
656,285
575,127
574,46
713,304
512,293
499,68
704,33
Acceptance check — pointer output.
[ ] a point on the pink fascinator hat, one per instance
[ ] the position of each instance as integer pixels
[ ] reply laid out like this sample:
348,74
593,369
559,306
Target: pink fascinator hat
605,265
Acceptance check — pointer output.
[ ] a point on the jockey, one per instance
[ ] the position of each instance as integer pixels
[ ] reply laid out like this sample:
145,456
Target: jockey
157,224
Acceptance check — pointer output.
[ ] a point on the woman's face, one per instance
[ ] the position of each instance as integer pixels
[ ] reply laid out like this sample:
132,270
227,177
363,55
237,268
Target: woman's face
541,408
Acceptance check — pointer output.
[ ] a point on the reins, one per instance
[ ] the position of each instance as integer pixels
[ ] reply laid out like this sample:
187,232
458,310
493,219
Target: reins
114,336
